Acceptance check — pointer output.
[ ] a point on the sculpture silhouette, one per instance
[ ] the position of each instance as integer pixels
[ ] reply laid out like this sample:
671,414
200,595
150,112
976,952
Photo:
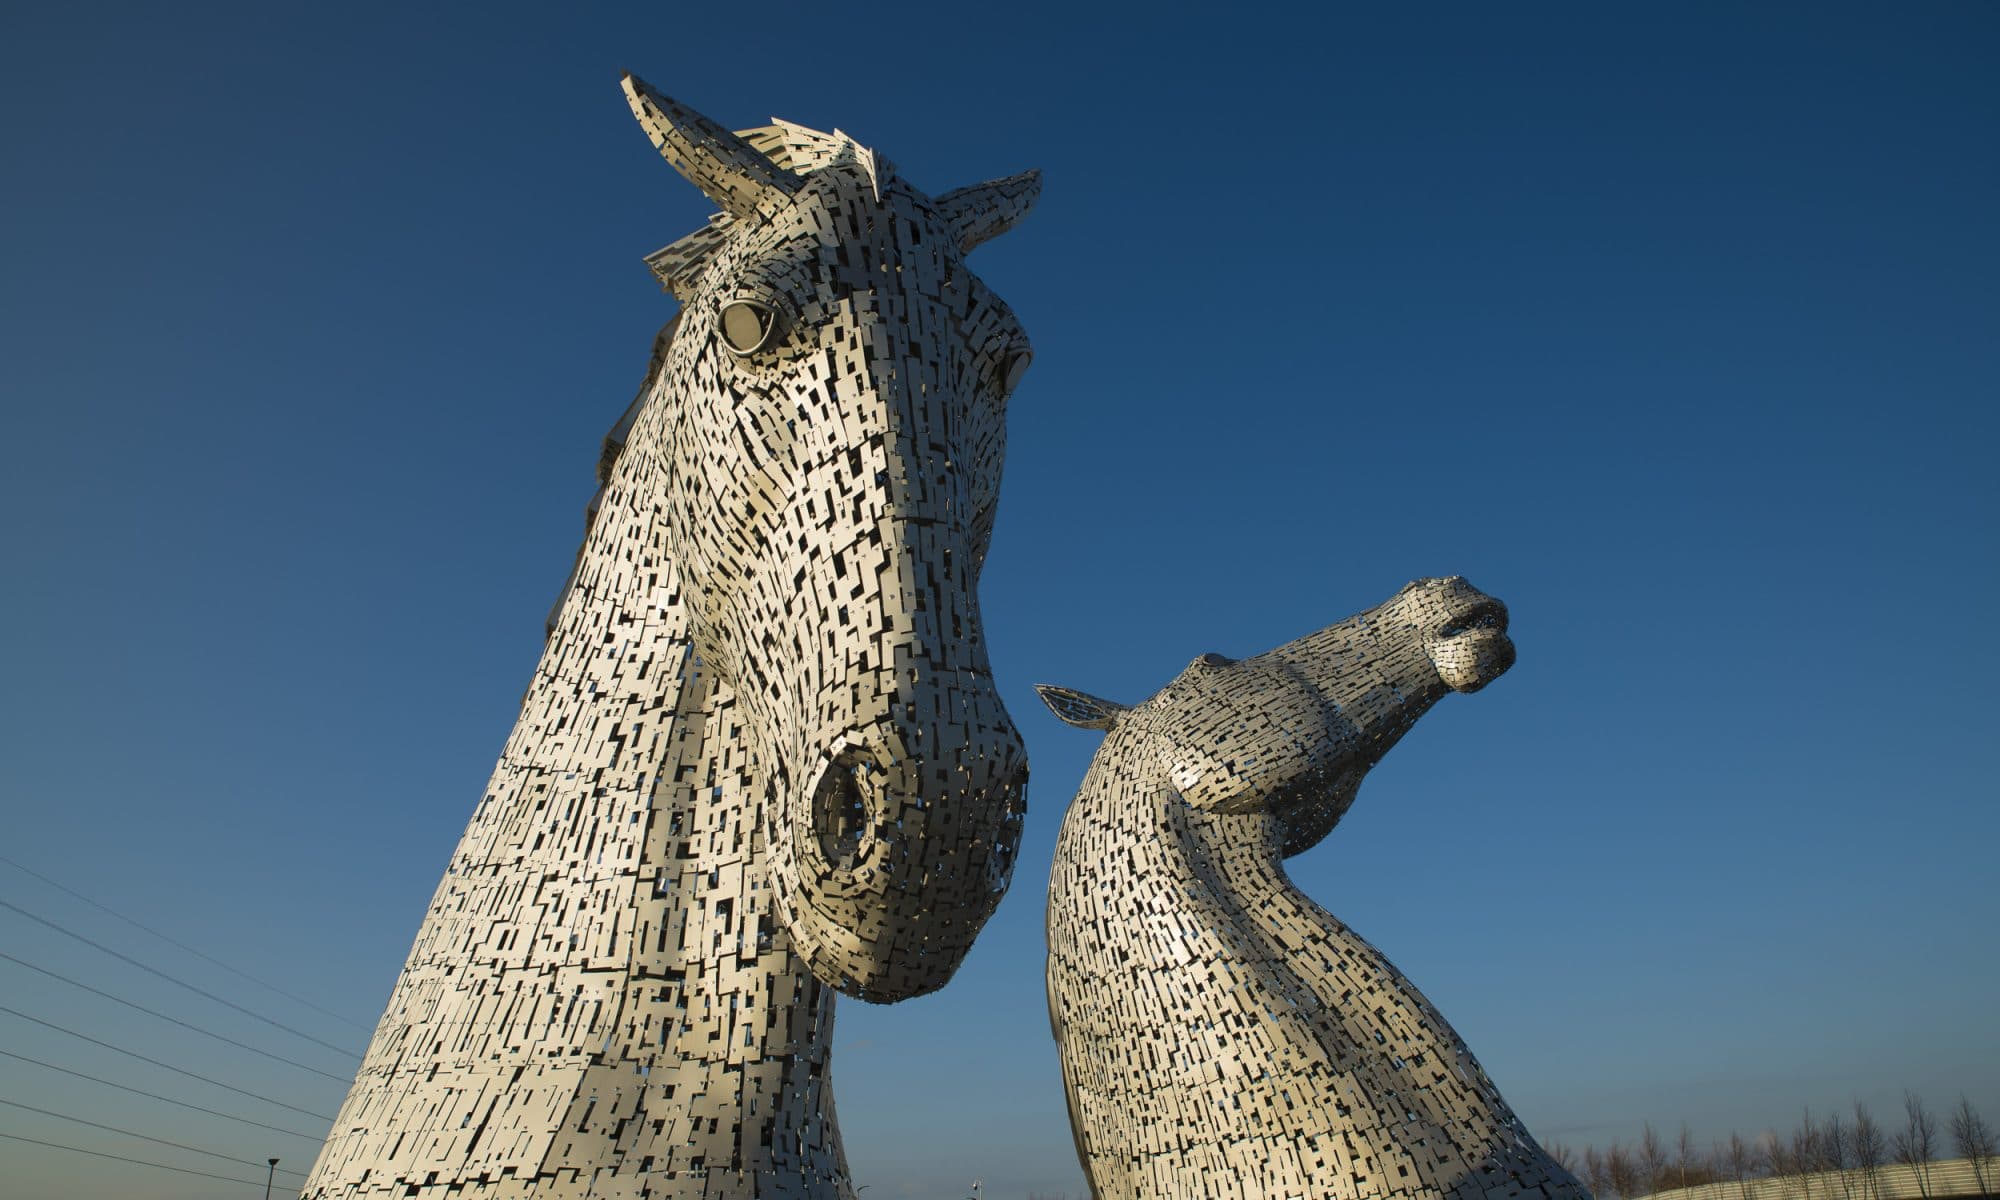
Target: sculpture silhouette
762,757
1221,1034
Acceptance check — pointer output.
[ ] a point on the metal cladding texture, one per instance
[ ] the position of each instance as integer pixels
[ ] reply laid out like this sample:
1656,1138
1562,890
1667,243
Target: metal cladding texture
762,759
1222,1035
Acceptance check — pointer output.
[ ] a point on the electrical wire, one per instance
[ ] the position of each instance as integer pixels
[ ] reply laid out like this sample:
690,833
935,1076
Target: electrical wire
140,1161
179,982
240,974
290,1062
168,1099
168,1066
145,1137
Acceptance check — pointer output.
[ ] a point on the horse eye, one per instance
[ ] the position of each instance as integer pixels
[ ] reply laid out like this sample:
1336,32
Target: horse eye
748,326
1012,370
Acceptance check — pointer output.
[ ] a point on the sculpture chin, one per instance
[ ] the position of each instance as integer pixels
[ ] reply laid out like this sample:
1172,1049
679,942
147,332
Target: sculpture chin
1469,661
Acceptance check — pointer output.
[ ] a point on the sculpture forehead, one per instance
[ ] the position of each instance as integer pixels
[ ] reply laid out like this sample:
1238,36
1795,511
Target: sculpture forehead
839,207
835,238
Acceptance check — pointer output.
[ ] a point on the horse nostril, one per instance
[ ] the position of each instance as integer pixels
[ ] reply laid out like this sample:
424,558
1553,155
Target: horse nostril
840,806
1013,802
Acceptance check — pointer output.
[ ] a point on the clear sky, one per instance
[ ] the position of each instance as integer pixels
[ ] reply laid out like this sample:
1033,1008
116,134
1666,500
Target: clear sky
1674,326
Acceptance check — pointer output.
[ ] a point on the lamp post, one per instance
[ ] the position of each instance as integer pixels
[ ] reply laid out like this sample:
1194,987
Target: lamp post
272,1174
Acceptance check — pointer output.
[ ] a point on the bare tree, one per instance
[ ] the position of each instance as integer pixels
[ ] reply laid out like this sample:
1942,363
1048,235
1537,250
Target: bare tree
1623,1173
1685,1157
1652,1158
1868,1151
1973,1138
1739,1159
1784,1166
1834,1152
1804,1152
1595,1177
1767,1150
1916,1144
1563,1156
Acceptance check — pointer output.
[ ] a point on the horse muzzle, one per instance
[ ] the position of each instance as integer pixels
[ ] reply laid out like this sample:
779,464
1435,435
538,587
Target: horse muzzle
1469,647
899,848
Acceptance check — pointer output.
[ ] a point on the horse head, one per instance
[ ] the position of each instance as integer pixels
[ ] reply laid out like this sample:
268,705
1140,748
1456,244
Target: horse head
830,415
1293,730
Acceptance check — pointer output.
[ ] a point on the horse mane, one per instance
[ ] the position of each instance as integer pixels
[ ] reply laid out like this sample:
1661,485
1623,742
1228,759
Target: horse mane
607,458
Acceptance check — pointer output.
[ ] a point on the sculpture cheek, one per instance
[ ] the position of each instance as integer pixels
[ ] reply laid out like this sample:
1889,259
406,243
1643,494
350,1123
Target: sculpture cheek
1212,784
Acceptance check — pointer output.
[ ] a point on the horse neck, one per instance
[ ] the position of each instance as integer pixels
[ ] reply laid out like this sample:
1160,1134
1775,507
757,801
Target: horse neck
1158,912
1355,997
599,983
1132,857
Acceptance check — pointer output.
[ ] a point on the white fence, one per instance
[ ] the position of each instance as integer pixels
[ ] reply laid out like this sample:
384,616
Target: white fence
1945,1178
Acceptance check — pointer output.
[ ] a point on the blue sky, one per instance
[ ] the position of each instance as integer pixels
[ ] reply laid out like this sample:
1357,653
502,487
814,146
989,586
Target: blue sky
1673,326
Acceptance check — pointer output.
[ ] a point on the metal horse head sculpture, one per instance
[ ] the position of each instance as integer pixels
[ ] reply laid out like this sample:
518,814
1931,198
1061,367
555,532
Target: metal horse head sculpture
1221,1034
763,758
828,424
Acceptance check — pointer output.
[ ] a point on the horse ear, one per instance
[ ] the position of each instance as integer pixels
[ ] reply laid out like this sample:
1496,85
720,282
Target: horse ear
987,210
1080,708
727,169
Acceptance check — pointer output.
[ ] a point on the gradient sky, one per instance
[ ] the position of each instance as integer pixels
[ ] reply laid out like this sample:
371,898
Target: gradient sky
1674,326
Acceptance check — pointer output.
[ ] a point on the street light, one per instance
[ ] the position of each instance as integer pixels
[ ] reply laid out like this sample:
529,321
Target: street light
267,1179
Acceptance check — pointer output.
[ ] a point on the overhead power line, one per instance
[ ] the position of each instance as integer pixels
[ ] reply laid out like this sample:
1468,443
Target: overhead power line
239,973
298,1033
290,1062
140,1161
145,1137
168,1099
168,1066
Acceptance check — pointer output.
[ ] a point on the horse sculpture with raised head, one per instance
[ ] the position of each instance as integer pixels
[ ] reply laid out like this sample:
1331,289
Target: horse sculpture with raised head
1221,1034
762,758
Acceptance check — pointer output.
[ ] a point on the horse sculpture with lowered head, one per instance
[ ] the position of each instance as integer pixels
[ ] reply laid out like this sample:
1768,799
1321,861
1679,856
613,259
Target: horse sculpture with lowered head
1221,1034
762,759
